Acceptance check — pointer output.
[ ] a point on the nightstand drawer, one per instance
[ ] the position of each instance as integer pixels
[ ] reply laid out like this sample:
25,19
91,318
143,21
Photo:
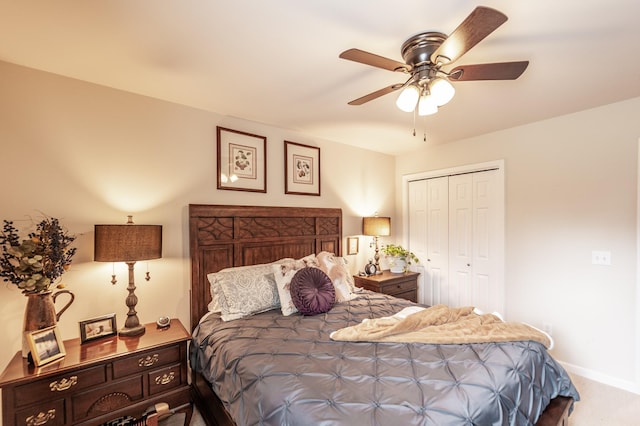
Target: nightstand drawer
145,360
49,414
59,385
107,398
398,288
166,378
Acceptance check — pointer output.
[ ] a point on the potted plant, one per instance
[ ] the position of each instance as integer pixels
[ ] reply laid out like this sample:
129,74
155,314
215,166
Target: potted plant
399,257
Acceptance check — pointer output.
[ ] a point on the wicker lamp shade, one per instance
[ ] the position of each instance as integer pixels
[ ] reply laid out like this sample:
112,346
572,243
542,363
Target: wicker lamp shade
127,243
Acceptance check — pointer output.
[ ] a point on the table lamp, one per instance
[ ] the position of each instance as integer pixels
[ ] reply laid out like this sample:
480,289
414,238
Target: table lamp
128,243
376,227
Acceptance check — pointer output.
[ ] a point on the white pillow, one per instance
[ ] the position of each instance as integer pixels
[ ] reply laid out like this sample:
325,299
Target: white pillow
283,273
336,269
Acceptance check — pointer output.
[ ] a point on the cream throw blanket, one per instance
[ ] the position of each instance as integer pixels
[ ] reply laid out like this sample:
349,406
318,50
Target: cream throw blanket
441,324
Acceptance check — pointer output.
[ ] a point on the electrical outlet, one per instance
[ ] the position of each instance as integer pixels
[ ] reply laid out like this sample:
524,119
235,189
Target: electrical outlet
547,328
599,257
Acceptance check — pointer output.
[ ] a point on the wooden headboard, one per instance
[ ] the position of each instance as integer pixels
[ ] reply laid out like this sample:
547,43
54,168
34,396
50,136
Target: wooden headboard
225,236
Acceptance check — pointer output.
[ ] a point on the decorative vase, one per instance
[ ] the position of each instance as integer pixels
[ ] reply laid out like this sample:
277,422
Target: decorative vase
397,265
40,313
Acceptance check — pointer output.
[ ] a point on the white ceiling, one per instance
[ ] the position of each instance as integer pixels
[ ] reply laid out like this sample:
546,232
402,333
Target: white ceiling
276,61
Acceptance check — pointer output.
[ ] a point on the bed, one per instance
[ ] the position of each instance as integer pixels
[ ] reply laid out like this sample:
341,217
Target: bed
269,368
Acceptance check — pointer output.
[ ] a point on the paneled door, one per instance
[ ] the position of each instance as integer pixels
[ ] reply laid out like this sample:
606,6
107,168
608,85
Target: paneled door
456,227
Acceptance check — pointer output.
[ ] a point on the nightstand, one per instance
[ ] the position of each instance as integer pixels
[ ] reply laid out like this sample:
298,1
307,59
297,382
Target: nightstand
403,285
100,380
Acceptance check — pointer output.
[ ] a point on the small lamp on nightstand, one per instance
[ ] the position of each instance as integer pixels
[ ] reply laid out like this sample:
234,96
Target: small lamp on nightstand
376,227
128,243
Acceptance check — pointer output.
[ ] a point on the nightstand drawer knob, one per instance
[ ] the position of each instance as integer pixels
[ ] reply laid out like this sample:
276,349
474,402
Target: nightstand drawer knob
148,361
64,384
165,379
41,418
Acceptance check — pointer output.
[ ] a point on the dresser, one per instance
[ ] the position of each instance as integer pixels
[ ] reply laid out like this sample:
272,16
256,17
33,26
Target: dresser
403,285
100,380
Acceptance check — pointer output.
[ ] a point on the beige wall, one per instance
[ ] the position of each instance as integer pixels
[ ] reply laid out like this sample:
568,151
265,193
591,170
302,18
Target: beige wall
87,154
571,188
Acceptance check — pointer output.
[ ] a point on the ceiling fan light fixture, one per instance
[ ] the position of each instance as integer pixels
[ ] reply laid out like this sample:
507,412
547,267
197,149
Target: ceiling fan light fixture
408,98
441,90
427,105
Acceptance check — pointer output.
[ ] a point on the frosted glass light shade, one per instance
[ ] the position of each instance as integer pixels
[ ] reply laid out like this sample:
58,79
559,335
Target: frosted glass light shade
408,98
427,105
441,90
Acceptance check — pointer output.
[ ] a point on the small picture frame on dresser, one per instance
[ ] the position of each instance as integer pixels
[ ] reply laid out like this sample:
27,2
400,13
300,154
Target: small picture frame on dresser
46,345
98,328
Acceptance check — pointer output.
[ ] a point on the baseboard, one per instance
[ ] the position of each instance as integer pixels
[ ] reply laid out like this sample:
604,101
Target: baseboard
605,379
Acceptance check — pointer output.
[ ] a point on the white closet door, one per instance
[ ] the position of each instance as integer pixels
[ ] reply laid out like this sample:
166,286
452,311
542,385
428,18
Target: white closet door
429,235
456,228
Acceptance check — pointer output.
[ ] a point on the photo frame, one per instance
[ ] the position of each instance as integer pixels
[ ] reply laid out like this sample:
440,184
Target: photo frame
353,245
302,169
98,328
46,345
242,160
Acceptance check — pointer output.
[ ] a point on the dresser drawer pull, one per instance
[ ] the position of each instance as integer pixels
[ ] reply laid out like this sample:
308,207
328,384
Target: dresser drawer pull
63,384
148,361
165,379
41,418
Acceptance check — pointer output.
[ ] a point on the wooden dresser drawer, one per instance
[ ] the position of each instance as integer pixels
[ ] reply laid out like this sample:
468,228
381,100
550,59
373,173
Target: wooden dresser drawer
49,414
107,398
166,378
144,361
59,385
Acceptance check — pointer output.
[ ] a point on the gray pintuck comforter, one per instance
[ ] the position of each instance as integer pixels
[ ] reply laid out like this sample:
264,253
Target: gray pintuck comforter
269,369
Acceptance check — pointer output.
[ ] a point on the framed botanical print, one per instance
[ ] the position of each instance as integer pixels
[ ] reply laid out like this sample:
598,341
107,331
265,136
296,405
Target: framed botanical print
242,160
302,169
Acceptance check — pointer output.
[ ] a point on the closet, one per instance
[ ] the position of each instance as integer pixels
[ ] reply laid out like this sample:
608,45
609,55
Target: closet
456,228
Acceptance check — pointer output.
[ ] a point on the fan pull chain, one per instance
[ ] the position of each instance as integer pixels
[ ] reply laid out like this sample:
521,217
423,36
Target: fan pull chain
424,121
414,121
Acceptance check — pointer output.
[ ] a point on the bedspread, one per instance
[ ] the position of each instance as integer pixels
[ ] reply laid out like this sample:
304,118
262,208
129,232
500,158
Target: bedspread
269,369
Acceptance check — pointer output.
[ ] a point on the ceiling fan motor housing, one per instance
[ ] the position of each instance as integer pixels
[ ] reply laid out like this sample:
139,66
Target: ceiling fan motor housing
417,50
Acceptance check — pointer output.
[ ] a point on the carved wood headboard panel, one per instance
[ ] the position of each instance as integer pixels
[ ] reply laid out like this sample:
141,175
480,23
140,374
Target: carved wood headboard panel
224,236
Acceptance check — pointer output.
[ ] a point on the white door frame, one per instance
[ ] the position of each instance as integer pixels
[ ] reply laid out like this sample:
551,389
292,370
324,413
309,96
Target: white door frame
498,165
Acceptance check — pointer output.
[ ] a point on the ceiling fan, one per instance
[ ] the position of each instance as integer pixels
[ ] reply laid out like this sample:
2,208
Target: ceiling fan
428,86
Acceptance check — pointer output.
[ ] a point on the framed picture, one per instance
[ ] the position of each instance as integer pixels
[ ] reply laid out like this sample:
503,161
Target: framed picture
96,328
46,345
302,169
242,161
353,244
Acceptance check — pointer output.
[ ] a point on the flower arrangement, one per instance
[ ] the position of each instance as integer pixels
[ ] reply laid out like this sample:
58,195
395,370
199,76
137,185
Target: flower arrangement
398,251
35,263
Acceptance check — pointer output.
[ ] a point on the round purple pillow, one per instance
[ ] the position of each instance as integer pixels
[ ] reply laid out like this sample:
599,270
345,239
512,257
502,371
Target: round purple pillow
312,291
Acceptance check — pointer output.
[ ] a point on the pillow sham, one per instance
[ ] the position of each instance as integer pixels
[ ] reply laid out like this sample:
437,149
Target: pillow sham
339,274
214,287
246,292
283,273
312,291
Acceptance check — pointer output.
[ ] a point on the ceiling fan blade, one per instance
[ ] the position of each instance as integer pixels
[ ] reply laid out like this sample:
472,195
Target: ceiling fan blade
376,94
479,24
495,71
374,60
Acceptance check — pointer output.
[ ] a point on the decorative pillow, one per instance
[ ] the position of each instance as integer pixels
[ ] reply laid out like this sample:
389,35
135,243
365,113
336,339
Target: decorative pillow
283,274
215,278
243,291
339,274
312,291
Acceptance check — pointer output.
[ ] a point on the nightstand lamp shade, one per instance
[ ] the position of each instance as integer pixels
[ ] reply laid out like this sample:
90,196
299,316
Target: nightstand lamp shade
128,243
375,227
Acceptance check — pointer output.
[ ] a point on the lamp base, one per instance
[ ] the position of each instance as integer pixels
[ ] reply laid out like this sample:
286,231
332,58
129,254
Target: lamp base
132,331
